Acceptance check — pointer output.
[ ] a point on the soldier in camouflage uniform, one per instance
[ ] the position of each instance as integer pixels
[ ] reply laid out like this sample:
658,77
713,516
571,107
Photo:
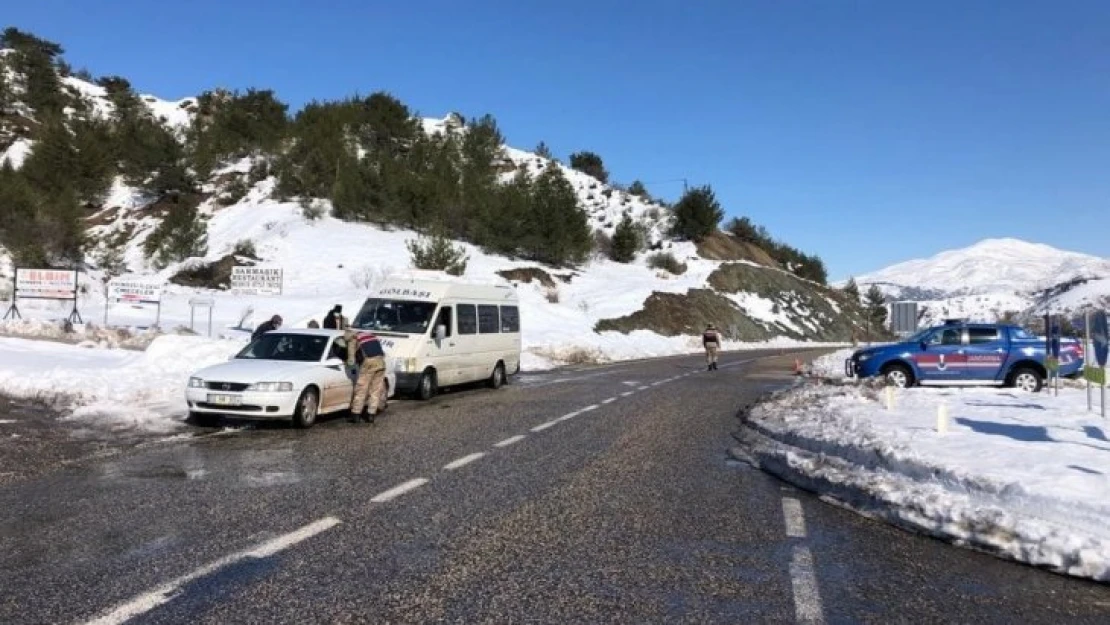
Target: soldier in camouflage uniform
711,341
365,350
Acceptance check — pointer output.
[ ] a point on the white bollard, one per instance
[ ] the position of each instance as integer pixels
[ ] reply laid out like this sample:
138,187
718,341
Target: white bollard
942,419
890,398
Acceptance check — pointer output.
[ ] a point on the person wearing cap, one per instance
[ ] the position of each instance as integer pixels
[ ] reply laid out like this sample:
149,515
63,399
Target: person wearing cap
364,350
267,326
711,341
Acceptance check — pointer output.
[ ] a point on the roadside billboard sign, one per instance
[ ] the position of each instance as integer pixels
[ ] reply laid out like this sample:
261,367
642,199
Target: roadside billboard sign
46,284
135,290
903,318
257,280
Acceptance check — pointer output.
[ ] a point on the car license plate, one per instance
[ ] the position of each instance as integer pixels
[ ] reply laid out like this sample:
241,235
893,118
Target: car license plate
224,400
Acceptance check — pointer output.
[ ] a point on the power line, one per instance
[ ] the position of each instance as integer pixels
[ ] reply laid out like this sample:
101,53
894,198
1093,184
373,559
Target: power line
685,184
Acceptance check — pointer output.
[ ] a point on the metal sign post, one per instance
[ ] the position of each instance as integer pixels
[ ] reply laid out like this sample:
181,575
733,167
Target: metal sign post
201,302
1101,338
1086,346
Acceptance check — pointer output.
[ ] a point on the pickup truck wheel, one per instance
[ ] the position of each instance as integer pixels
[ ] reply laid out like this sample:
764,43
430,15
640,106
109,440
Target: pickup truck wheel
898,375
1028,380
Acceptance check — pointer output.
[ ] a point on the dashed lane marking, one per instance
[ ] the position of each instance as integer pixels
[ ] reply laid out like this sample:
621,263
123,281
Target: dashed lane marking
399,490
795,520
807,599
465,460
167,592
511,440
543,426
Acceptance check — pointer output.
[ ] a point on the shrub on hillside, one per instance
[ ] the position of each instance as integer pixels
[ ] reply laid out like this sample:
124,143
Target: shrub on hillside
667,262
182,234
436,253
626,241
589,164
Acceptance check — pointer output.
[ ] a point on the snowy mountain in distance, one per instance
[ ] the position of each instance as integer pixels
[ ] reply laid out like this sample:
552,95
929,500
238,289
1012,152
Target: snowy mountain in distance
989,266
995,278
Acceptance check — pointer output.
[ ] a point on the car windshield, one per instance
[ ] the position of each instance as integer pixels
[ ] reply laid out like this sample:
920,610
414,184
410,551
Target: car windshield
920,336
391,315
277,346
1022,333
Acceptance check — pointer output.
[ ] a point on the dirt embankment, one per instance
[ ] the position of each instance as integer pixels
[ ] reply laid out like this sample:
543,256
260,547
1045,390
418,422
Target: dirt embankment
798,309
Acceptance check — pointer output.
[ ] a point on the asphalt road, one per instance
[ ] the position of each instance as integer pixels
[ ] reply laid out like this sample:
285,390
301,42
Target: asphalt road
486,506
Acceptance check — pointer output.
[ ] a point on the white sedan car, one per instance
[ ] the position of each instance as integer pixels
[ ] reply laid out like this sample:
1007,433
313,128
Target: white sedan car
286,374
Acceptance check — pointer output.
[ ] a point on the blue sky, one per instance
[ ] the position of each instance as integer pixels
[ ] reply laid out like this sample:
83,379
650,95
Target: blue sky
867,132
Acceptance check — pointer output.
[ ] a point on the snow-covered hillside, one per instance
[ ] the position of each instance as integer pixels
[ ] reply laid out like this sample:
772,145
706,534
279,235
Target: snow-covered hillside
328,261
994,277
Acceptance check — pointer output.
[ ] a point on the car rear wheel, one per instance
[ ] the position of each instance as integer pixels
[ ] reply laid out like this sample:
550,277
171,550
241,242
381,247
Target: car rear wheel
307,408
1028,380
898,375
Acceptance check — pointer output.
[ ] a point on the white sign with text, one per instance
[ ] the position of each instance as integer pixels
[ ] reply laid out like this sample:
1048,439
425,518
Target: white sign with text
257,280
46,283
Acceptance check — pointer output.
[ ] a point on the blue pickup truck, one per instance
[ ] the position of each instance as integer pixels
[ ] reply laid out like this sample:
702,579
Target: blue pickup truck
972,354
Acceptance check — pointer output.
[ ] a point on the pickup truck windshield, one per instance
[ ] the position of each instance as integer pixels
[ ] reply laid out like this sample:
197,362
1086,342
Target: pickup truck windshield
393,315
1022,334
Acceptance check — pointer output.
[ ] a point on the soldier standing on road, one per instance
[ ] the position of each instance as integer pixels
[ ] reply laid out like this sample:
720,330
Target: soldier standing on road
711,341
365,350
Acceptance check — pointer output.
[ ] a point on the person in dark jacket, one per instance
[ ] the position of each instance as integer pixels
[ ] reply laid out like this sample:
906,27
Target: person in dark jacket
365,350
266,326
711,341
335,320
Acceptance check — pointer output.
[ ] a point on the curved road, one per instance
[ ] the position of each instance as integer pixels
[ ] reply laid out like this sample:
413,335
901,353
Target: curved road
598,495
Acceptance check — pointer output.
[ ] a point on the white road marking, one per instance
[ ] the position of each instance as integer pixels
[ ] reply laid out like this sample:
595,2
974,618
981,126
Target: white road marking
167,592
397,491
610,400
795,520
628,393
3,421
543,426
465,460
568,416
643,388
589,408
511,440
807,599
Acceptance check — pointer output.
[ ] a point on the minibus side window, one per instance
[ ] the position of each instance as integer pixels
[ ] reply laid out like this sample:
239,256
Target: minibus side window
468,319
510,319
488,319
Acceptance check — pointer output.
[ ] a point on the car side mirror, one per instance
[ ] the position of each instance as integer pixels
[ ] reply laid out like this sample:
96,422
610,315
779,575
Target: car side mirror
334,363
441,332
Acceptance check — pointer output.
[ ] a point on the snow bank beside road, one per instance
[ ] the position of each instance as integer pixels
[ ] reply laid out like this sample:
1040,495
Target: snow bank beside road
110,387
1020,475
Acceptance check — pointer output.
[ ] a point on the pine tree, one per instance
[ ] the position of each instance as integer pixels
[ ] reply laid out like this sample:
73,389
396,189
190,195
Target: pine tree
95,167
543,151
852,290
182,234
351,194
557,230
502,222
34,58
590,164
61,228
875,305
53,160
697,214
481,148
19,228
626,241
